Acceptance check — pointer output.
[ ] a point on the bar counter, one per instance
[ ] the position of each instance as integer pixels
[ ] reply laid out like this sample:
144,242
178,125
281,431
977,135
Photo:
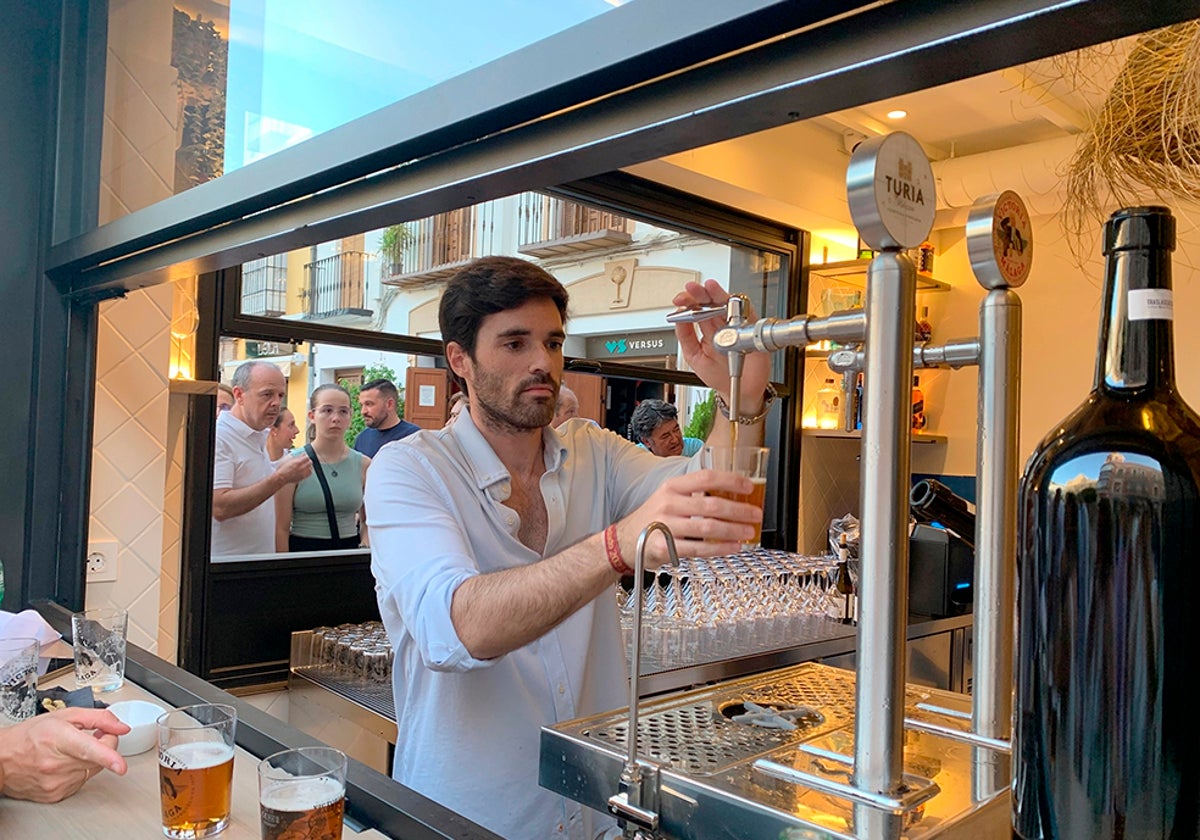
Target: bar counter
111,806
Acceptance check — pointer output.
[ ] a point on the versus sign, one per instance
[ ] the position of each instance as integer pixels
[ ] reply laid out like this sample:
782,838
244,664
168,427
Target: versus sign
660,343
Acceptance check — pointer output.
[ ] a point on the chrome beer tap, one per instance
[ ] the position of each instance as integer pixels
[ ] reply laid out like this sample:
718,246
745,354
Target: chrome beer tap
635,805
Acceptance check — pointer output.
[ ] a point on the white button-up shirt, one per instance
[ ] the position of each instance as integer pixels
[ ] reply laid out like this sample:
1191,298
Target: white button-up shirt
241,460
469,730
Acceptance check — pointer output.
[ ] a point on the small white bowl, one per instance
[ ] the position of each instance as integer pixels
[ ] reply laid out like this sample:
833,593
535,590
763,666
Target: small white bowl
140,715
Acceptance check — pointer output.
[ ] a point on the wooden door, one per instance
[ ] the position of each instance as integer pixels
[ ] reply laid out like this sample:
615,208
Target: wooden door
425,391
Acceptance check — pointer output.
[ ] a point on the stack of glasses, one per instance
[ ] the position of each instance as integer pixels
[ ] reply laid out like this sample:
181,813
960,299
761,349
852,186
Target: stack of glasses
353,653
709,609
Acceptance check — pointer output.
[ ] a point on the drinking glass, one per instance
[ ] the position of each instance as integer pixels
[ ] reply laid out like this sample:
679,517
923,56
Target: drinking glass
748,461
18,679
98,642
302,794
195,769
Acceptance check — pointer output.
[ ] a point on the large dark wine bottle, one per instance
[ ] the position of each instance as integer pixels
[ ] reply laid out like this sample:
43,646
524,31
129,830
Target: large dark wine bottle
1107,729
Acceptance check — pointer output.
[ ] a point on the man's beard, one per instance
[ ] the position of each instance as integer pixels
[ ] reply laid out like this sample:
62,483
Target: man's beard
374,422
511,412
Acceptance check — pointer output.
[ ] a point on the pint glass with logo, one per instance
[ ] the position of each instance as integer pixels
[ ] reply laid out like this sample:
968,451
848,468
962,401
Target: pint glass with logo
302,794
195,769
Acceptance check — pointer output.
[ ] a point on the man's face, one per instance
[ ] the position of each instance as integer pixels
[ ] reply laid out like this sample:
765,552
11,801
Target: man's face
514,375
259,402
666,439
376,411
568,407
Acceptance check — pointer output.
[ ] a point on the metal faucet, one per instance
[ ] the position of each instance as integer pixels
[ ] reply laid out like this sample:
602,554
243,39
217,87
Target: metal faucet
636,803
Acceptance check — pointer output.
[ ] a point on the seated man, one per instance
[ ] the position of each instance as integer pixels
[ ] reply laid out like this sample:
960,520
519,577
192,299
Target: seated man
655,425
497,542
50,756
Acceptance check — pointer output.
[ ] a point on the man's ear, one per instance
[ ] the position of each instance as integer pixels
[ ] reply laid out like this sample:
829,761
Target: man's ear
459,360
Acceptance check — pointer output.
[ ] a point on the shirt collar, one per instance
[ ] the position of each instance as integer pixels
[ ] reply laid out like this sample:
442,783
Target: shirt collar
490,473
239,428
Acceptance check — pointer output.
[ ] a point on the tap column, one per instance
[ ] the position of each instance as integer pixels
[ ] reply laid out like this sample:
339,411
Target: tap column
890,188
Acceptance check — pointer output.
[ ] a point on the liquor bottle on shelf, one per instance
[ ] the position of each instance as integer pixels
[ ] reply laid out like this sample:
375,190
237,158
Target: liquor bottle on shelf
923,331
1106,729
829,406
918,405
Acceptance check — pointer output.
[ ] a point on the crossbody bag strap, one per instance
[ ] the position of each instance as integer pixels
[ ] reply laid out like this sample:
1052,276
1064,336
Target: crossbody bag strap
333,526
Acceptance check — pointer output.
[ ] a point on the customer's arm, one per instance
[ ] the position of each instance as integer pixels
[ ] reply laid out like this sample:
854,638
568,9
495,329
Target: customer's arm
229,502
49,757
285,500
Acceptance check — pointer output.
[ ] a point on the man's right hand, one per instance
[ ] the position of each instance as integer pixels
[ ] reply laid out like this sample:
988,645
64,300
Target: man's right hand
703,525
294,468
49,757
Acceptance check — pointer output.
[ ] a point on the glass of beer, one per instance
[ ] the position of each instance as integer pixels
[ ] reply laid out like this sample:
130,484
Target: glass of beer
302,794
195,769
748,461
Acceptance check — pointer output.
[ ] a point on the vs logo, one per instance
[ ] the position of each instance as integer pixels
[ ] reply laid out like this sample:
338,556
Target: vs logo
616,347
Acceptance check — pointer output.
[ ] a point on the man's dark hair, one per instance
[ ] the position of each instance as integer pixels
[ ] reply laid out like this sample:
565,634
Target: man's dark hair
385,387
647,417
489,285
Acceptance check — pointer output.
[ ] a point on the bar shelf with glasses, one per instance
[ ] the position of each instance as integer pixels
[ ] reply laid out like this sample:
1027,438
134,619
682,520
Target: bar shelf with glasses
737,605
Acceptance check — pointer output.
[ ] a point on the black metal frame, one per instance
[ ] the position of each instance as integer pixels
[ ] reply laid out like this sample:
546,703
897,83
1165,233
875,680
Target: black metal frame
779,75
816,65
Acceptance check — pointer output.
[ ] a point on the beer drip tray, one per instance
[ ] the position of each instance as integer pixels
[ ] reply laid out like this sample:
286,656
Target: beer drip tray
374,696
698,735
720,772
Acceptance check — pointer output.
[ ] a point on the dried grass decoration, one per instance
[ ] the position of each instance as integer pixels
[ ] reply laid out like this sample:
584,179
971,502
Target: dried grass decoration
1145,140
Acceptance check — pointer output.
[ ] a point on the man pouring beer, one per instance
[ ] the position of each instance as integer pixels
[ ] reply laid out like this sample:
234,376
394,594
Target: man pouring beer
496,543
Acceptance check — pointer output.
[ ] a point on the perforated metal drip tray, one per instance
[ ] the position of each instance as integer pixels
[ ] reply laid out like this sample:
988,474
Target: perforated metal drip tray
374,696
707,731
724,773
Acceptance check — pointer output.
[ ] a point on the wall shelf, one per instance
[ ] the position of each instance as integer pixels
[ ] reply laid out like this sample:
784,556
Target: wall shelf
854,273
917,437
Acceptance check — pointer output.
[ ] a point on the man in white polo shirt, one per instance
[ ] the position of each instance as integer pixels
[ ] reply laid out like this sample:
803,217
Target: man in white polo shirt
243,478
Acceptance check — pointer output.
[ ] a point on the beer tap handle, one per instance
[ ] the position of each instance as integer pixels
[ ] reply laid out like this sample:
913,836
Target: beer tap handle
692,316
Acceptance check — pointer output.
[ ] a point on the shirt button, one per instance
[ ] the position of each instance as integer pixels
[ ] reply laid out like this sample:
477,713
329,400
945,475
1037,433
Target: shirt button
560,828
562,689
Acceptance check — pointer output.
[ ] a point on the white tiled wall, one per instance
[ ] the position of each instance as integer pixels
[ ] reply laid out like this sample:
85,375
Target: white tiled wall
129,454
131,484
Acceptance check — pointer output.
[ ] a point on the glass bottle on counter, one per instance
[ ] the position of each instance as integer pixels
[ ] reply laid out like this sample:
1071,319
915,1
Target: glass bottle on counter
1106,733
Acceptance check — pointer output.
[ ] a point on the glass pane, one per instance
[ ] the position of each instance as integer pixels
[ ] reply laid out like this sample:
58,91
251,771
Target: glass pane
197,88
621,273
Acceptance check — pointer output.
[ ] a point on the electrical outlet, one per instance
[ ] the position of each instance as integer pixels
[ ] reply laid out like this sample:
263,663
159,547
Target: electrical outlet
101,561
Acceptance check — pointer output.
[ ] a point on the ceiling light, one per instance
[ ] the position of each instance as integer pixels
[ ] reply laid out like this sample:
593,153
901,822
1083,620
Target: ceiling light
898,114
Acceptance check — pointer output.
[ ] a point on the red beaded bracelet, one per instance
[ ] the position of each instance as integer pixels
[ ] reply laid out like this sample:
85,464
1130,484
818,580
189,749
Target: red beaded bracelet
613,549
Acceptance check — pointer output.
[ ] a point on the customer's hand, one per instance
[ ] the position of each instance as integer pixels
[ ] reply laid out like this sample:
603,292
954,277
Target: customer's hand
702,525
294,468
49,757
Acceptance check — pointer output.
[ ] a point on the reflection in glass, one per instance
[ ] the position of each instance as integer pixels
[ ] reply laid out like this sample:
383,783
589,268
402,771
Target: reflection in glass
198,89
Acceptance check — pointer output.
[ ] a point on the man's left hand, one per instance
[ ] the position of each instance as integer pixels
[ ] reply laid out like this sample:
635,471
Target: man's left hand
710,364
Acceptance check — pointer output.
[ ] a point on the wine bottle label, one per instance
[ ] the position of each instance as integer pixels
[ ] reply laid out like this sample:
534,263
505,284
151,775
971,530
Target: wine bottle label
1151,305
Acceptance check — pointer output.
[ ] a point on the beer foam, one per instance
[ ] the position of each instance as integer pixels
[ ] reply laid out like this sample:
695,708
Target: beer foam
300,794
196,755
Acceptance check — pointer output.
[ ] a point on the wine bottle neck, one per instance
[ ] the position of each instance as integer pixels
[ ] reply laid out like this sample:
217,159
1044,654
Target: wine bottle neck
1136,332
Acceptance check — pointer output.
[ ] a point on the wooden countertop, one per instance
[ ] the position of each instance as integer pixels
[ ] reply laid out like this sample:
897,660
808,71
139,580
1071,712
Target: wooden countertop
111,806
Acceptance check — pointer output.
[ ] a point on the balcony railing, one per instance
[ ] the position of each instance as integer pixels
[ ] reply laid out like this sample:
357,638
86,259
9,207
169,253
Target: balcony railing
264,286
337,284
552,227
432,249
